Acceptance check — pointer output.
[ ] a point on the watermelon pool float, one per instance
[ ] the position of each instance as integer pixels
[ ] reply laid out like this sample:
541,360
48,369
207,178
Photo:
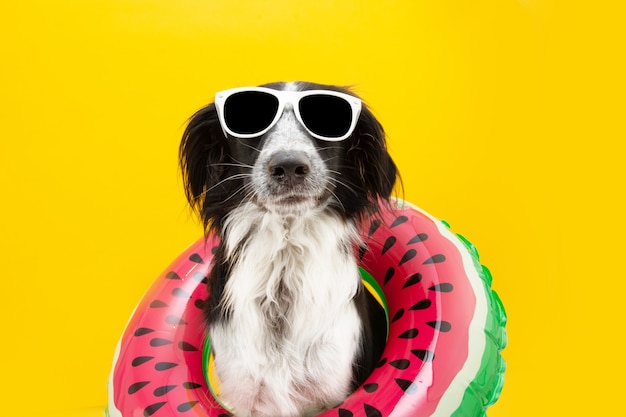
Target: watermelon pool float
442,357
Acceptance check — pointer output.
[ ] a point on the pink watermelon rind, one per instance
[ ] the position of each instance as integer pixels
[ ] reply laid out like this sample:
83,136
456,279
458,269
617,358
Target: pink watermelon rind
479,382
484,368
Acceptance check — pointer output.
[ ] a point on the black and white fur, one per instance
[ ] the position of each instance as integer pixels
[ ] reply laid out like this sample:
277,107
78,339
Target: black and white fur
293,329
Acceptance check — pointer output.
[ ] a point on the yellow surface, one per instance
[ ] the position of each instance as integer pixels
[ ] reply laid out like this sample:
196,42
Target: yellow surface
505,117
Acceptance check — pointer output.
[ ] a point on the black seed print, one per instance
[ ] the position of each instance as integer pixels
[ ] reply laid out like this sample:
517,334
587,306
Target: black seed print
137,386
158,304
435,259
214,250
174,320
410,254
179,292
191,385
421,305
370,387
409,334
389,274
186,406
342,412
151,409
381,362
161,391
413,279
398,221
163,366
371,411
224,415
398,315
142,330
172,275
442,326
140,360
187,347
425,355
400,363
362,251
373,227
445,287
158,341
407,386
391,240
199,303
418,238
196,258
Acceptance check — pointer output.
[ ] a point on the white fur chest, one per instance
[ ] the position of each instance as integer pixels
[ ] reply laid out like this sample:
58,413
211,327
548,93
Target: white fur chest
293,330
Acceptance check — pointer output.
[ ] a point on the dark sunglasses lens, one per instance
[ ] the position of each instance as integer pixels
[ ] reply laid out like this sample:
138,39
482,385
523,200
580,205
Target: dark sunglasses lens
326,115
250,112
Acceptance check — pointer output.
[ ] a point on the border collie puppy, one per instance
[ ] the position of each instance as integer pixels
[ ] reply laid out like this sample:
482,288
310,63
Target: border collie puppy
283,174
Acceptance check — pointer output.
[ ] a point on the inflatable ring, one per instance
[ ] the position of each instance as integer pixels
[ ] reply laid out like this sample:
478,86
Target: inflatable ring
442,357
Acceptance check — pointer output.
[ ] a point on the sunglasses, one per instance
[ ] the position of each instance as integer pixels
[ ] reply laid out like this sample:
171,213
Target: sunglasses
249,112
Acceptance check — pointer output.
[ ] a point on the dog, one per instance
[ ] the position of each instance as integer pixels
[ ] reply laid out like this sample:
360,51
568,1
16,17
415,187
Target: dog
284,174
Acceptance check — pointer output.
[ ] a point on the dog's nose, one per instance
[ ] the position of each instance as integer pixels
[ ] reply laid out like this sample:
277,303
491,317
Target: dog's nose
289,168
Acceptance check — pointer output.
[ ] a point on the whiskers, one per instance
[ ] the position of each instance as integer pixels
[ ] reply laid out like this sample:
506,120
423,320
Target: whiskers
342,182
246,173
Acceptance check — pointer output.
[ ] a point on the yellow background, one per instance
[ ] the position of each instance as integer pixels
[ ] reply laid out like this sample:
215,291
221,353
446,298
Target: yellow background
506,117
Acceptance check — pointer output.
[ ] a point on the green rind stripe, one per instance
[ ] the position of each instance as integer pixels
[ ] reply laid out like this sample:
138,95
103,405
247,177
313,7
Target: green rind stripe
206,353
484,390
375,286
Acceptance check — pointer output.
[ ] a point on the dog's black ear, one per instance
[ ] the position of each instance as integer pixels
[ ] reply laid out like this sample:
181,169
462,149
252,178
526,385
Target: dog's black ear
375,169
202,153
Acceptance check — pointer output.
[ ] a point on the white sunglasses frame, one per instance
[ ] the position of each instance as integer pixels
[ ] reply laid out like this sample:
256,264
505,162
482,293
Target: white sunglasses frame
284,97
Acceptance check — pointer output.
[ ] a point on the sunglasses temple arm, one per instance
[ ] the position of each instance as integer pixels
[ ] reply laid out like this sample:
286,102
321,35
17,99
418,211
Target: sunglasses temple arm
220,117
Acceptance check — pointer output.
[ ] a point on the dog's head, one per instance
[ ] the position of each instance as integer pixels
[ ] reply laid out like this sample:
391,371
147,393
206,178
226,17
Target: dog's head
289,148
